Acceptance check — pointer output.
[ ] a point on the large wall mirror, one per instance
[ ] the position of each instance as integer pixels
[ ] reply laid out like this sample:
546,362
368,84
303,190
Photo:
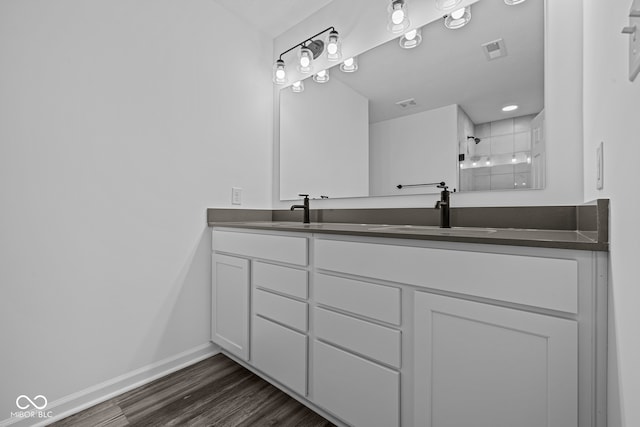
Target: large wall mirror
432,113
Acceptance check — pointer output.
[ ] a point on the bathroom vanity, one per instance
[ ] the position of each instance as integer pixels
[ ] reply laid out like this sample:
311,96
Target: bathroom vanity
375,325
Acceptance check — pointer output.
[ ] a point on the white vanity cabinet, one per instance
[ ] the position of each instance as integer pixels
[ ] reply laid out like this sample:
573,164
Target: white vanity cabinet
259,284
373,331
230,304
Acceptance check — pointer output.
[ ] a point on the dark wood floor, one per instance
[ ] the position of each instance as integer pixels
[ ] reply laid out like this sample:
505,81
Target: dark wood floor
214,392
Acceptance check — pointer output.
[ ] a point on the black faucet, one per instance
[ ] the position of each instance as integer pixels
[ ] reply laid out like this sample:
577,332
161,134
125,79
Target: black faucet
443,204
305,206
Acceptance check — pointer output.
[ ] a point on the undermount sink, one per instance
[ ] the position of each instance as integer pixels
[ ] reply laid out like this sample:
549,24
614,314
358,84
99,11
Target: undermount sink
427,229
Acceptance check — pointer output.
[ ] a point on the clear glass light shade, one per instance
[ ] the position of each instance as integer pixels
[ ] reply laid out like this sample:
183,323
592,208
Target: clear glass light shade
349,65
411,39
334,48
512,2
298,86
458,18
279,73
305,59
321,76
447,4
398,17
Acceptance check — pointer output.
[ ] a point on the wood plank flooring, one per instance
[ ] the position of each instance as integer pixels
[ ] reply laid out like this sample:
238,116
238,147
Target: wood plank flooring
214,392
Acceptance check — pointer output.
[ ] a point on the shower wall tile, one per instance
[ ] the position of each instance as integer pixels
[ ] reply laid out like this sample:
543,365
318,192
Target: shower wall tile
502,127
523,123
522,141
502,144
483,130
502,181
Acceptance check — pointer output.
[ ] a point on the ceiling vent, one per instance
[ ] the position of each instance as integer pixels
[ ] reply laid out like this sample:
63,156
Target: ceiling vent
407,103
494,49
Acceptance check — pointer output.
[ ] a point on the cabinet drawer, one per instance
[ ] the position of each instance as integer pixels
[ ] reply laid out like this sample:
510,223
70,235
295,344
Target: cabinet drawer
370,340
367,299
540,282
289,249
358,391
281,309
286,280
280,353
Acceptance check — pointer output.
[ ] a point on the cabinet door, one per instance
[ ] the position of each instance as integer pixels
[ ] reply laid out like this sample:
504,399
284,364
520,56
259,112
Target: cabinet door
486,366
230,304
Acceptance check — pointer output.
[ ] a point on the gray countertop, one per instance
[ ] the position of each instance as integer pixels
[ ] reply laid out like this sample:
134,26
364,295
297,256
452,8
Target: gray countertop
561,239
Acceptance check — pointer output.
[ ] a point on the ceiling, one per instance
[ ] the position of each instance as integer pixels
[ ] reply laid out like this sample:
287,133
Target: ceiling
273,17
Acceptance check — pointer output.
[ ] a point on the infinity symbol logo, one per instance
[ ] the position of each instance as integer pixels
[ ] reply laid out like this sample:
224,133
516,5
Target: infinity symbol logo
22,398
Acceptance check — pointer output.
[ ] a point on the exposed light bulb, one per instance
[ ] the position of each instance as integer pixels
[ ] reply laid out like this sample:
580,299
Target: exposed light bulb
398,16
458,18
279,73
349,65
321,76
457,14
333,46
411,39
304,63
297,86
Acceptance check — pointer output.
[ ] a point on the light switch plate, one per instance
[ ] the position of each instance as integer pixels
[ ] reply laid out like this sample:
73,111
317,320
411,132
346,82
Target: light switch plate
634,40
236,196
600,166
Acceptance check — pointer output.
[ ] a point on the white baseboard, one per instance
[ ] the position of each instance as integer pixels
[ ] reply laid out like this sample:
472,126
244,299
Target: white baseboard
83,399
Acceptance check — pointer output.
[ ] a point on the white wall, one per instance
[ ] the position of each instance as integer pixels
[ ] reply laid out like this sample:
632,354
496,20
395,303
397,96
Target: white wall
611,113
408,150
324,141
363,25
120,123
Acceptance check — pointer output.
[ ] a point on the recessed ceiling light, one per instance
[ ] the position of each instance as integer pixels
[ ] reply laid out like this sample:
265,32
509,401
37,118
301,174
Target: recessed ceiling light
508,108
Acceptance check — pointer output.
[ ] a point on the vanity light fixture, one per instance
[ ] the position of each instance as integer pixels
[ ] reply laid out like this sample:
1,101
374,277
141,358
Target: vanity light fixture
513,2
349,65
279,72
321,76
398,17
298,86
508,108
310,49
411,39
458,18
447,4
